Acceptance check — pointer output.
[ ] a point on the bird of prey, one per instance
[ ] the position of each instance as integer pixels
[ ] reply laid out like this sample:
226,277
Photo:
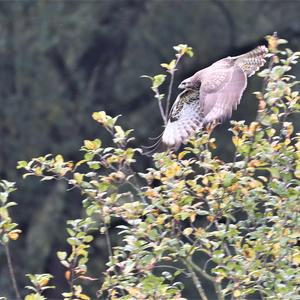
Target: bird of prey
210,95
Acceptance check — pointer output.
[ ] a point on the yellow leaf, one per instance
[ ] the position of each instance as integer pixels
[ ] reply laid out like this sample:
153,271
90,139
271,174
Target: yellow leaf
133,291
175,208
169,66
38,171
193,217
205,181
288,127
84,297
173,170
160,219
252,127
44,282
78,177
212,145
30,297
297,173
237,293
256,273
68,275
272,43
13,235
210,218
182,154
295,234
199,232
100,117
166,66
151,193
119,131
296,259
187,231
261,105
248,252
80,163
90,145
59,158
256,163
254,184
237,141
287,142
276,249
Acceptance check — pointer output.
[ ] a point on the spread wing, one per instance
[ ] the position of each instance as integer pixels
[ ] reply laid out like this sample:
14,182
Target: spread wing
221,92
185,118
224,82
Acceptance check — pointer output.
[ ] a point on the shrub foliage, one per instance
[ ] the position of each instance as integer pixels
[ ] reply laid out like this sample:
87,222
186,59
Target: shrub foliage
231,225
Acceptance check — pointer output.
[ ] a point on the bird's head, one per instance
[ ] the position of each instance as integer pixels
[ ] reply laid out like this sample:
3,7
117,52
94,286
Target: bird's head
186,84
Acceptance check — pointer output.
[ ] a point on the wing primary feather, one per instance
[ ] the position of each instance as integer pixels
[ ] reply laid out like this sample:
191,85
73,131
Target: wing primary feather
185,118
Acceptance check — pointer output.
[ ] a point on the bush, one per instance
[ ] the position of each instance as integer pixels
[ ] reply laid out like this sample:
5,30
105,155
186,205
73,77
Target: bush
232,225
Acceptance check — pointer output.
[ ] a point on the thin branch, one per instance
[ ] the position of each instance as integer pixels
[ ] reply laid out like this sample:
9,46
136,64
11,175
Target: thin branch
200,271
170,92
11,272
172,72
224,244
218,289
195,279
163,114
107,238
217,286
109,248
72,276
170,267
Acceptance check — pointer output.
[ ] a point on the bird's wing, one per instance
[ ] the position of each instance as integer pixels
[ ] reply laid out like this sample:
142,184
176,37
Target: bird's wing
185,118
221,92
224,82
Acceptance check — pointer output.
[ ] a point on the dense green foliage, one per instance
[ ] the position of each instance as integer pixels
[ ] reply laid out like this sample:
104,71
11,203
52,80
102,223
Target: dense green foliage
192,217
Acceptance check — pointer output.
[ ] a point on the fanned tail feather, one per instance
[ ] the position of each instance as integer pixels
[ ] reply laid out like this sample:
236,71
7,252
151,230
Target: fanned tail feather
252,61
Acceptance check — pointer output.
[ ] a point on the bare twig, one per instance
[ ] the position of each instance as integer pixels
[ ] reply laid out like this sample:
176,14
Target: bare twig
195,279
163,114
200,271
170,92
109,249
172,72
107,238
11,272
217,285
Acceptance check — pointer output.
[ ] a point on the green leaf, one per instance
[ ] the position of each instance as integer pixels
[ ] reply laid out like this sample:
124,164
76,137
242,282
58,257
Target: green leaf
61,255
158,80
88,238
22,164
227,181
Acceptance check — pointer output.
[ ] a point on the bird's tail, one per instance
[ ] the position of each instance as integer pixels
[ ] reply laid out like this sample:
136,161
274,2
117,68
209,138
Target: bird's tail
251,61
158,146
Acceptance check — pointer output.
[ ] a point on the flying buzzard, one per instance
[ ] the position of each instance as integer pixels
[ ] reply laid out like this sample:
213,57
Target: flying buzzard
210,95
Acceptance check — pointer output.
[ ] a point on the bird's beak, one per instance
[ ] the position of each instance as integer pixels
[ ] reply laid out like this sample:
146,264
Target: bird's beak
181,86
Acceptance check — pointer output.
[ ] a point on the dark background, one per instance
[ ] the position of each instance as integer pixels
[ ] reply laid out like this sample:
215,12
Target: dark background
62,60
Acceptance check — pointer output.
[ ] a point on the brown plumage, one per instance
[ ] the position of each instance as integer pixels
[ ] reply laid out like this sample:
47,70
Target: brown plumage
210,95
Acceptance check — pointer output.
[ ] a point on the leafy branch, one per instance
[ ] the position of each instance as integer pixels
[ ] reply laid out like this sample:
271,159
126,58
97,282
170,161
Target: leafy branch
159,79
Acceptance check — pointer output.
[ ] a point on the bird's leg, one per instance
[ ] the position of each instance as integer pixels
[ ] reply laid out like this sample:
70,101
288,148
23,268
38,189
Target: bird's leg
211,126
